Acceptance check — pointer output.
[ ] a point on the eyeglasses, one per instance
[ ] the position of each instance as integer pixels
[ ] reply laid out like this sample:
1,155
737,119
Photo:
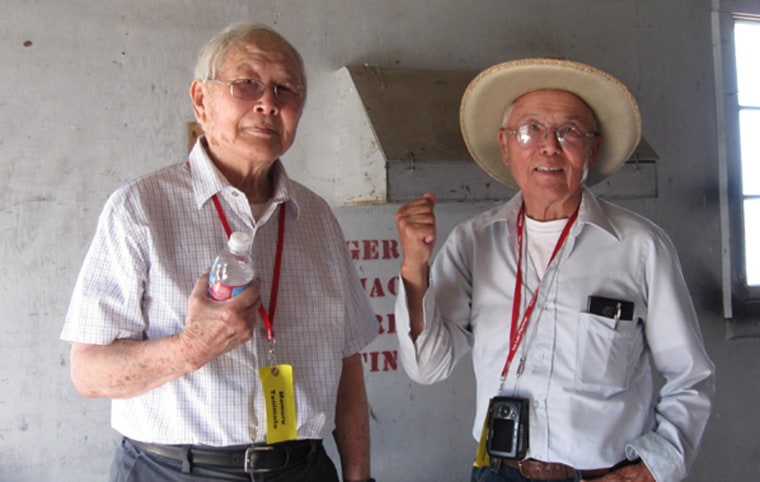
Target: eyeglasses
252,89
535,133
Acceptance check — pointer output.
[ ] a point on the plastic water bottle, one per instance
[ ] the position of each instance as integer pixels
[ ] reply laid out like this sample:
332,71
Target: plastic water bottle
232,270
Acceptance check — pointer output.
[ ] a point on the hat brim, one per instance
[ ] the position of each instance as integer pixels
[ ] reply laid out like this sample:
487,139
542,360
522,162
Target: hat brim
493,90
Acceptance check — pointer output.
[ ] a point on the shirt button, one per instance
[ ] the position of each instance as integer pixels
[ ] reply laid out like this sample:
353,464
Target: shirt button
536,403
234,194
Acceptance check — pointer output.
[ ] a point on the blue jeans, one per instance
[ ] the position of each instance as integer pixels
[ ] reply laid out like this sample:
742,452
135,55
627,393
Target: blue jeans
130,464
506,474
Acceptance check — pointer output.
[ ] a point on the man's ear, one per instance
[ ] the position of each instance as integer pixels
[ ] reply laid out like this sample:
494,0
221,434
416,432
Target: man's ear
596,148
198,97
504,147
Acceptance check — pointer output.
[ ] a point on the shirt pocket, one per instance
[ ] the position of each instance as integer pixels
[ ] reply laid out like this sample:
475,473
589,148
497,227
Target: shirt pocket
605,351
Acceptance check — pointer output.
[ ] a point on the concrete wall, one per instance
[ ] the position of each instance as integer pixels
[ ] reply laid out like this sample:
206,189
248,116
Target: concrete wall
95,93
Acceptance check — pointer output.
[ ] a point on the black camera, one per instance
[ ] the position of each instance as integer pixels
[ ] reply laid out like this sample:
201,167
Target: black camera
508,428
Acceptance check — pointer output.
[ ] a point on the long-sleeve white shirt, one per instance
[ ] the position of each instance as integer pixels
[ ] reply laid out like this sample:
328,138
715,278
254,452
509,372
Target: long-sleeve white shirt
588,377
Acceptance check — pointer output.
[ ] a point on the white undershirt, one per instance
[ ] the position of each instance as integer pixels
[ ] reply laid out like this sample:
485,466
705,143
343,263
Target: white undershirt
257,210
542,236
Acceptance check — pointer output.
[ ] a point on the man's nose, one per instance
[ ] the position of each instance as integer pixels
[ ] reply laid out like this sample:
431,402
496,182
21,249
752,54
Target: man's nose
267,103
551,142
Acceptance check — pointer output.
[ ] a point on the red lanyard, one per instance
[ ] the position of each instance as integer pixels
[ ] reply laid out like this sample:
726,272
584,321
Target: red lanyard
267,318
516,336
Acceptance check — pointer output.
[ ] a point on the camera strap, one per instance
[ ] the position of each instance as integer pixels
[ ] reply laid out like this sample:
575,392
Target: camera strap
518,331
482,458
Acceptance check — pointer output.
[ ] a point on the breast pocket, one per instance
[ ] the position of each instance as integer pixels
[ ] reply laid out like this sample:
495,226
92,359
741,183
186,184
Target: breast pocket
605,353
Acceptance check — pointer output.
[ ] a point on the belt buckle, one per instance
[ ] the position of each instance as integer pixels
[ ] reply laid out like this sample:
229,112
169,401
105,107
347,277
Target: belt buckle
248,466
522,472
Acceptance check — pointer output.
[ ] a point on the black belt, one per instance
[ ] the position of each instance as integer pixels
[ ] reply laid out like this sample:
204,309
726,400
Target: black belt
253,459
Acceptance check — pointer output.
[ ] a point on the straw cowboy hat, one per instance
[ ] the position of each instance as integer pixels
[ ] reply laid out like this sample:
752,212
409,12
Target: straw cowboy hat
494,89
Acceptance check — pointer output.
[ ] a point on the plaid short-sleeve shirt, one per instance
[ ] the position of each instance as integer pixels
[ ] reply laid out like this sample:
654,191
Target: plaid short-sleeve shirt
155,235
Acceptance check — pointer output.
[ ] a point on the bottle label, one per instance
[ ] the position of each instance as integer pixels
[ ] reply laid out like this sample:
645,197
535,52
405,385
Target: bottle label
220,291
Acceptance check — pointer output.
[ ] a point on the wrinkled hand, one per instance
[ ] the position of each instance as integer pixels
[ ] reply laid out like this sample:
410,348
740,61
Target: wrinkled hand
416,228
630,473
213,328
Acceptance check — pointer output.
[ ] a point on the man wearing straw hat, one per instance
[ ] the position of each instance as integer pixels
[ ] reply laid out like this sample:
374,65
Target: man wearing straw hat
564,300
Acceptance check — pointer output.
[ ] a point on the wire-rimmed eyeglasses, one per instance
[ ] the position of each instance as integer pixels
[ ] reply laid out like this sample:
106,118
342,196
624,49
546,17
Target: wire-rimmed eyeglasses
252,89
535,133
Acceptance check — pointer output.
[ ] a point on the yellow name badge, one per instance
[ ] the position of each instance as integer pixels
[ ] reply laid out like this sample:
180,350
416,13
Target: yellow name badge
280,399
482,459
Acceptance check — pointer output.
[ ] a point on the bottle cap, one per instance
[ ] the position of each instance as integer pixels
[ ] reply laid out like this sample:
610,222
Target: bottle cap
239,242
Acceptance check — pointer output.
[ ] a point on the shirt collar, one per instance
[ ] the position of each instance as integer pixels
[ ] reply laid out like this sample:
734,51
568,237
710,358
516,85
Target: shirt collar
207,180
591,212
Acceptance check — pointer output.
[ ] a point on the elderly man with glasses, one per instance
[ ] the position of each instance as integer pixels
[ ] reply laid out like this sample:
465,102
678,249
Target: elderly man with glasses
200,389
565,301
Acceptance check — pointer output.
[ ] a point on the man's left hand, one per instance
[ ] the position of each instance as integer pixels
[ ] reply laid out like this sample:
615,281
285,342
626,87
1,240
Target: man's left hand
630,473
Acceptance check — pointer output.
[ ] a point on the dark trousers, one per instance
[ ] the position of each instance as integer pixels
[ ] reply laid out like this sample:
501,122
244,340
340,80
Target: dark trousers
130,464
503,473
